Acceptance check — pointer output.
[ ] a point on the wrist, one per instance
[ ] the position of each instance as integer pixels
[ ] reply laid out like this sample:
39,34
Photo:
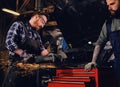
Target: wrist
18,51
23,54
93,62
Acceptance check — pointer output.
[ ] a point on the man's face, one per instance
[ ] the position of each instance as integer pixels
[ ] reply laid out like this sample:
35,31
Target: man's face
113,5
39,21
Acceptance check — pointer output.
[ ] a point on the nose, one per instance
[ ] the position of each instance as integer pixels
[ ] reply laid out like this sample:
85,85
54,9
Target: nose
42,25
109,8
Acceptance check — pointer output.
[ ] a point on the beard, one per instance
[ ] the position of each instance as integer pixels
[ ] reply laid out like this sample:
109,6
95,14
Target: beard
117,13
113,12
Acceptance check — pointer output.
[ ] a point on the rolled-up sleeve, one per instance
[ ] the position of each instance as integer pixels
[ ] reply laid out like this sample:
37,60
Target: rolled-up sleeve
103,38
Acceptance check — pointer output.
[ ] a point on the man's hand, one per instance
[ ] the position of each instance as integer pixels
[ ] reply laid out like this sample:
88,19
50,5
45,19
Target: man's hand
25,56
18,51
90,65
44,53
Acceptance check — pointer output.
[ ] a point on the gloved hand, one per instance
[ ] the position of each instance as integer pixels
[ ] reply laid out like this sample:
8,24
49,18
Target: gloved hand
90,65
25,56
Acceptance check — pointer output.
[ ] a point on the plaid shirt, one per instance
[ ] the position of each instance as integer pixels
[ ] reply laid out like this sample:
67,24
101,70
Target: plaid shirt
16,34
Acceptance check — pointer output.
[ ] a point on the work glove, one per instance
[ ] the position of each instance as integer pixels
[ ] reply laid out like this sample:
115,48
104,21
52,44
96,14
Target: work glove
90,65
25,56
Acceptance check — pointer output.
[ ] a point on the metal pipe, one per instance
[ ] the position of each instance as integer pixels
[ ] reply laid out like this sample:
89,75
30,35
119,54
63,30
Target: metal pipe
38,5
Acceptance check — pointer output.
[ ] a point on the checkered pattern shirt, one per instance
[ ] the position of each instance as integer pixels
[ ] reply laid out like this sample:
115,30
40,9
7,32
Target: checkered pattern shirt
16,34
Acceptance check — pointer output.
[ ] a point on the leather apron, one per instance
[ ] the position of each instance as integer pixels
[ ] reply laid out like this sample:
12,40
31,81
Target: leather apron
32,46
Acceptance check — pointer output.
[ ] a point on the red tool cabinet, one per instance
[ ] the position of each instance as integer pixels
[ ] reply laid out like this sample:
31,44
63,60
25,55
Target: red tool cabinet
78,77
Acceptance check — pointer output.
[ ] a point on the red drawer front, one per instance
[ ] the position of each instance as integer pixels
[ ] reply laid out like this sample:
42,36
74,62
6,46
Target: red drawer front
77,79
65,84
75,70
77,74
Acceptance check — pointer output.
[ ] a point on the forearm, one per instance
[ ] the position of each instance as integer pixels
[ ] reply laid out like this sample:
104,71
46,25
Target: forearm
93,64
23,54
96,53
18,51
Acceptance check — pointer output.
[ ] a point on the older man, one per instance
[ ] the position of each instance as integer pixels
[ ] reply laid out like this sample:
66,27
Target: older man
23,41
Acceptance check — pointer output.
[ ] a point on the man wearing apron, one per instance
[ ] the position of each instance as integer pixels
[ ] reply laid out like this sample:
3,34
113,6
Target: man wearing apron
110,31
22,41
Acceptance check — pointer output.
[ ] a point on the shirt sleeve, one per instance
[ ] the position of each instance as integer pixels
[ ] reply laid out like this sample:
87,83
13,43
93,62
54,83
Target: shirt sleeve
103,38
12,32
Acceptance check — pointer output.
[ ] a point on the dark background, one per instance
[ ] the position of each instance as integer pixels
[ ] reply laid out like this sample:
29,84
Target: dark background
79,20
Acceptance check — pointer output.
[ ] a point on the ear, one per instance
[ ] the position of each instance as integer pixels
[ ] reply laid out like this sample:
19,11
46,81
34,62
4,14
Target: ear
37,16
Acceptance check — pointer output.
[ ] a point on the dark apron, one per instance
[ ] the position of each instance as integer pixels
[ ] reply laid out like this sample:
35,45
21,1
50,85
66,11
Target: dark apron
12,79
115,41
31,46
